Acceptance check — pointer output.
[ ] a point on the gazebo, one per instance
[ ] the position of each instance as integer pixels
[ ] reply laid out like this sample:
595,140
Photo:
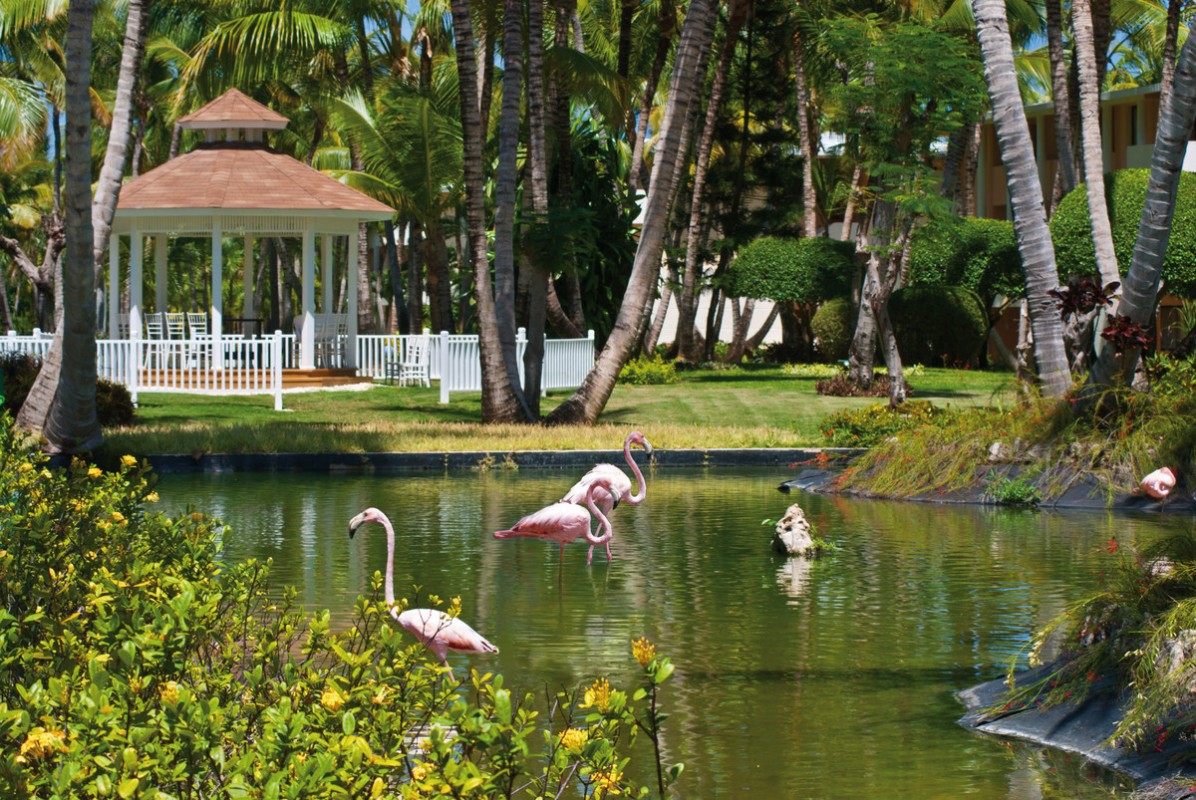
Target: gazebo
234,185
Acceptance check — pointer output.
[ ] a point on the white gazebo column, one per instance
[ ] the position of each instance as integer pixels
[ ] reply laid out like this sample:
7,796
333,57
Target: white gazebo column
136,279
307,332
350,357
217,328
326,272
248,311
114,286
160,303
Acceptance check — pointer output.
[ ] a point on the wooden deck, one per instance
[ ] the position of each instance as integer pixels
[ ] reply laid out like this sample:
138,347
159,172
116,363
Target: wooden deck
237,378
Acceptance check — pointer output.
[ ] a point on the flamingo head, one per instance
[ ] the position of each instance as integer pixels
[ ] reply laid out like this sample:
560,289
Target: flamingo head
369,515
635,437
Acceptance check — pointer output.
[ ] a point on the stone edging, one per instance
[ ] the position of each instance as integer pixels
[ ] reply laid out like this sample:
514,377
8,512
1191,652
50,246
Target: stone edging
173,464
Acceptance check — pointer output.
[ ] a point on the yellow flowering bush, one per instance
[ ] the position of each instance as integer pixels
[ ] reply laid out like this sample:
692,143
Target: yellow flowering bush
134,663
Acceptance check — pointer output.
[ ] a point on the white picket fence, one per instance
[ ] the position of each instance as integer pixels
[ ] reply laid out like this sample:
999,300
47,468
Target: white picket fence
254,366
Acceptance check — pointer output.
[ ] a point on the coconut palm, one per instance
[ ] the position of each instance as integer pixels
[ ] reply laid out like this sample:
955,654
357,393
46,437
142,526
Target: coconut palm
1025,193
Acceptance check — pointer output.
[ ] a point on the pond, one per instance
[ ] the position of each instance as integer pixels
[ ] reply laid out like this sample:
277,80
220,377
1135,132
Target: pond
831,679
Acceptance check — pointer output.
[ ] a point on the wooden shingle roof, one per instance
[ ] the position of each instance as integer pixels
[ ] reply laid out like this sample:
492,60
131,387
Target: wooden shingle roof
233,109
243,176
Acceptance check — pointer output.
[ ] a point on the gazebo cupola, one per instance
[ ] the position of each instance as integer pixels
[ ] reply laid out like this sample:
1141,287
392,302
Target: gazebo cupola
234,185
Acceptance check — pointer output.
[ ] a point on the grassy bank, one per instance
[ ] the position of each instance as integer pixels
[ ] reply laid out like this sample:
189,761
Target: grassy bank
748,406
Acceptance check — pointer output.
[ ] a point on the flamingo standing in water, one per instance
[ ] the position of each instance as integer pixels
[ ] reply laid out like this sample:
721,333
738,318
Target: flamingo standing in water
620,484
438,631
1159,483
563,521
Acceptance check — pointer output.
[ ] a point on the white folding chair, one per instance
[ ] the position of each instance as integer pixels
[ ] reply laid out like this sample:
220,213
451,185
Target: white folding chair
155,332
200,338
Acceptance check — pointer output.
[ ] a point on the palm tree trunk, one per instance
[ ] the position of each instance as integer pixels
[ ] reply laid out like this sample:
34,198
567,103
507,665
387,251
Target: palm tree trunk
849,210
667,28
584,405
1094,168
537,298
62,401
805,135
687,301
1059,93
499,400
1025,193
108,187
1139,293
1170,43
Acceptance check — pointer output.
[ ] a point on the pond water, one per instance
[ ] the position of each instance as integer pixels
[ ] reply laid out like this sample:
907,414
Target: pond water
831,679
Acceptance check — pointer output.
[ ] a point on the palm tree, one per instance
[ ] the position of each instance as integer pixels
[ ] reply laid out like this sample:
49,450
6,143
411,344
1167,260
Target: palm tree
1025,193
69,423
584,405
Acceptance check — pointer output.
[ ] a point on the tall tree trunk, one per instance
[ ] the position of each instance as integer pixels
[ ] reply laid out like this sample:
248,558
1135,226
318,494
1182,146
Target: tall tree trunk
62,401
1139,293
538,277
1170,43
500,403
1025,195
667,29
853,192
1094,167
108,187
587,402
805,135
1059,93
415,282
687,301
393,258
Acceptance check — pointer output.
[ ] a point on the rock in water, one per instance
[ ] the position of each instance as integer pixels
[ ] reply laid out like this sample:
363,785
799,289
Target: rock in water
793,535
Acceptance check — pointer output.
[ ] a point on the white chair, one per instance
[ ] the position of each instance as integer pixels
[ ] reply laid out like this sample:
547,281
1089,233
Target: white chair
122,326
413,367
200,338
175,331
155,331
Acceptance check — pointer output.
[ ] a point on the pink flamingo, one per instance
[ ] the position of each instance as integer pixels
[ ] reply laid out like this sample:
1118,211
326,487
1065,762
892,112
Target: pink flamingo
1159,483
620,484
562,522
438,631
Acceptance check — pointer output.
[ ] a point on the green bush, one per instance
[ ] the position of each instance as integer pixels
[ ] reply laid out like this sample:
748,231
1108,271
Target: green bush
135,664
976,253
864,427
114,404
938,325
1125,191
842,385
641,371
833,326
791,270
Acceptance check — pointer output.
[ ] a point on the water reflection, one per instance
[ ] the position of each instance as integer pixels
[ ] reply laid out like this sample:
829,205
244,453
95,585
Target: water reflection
831,679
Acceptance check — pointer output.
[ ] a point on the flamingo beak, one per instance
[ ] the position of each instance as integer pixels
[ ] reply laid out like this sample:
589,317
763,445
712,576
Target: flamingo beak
356,523
647,447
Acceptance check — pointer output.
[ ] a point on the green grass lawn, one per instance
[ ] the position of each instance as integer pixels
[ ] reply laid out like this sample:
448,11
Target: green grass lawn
747,406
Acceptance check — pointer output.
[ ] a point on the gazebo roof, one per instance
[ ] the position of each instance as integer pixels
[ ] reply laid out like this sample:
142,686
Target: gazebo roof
233,109
243,176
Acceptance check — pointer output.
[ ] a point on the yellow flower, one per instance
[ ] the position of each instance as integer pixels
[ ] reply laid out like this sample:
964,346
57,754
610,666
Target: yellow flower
380,697
643,650
598,696
574,739
41,743
25,467
608,782
152,497
118,517
419,772
331,700
128,461
94,472
169,692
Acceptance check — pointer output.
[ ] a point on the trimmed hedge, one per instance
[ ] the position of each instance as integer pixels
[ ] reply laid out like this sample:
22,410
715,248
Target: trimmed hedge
978,254
938,325
833,325
1125,192
791,270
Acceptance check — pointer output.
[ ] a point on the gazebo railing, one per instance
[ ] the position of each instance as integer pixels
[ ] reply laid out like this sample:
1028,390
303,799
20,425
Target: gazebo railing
254,366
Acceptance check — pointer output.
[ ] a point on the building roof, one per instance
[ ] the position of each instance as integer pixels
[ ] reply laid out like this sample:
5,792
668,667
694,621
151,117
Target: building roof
243,176
233,109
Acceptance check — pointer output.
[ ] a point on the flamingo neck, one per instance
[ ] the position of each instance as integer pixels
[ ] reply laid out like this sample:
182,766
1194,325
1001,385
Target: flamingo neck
635,499
596,511
388,580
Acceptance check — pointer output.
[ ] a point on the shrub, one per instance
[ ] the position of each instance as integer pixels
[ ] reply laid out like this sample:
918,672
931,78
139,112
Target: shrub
791,270
1125,191
863,427
843,386
114,404
133,663
978,254
940,325
833,326
641,371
